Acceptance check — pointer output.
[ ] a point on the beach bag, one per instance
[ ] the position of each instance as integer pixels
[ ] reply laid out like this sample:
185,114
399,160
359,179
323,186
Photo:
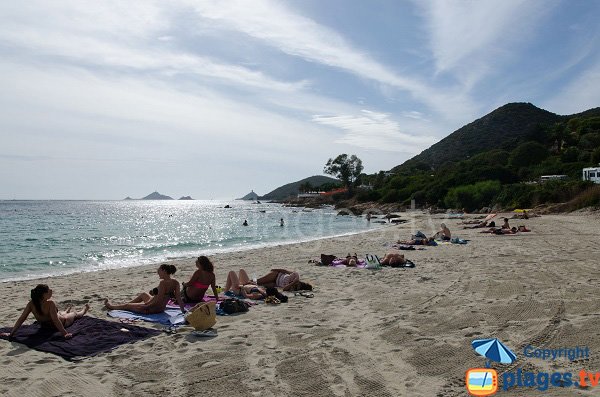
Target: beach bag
272,291
372,262
231,306
326,260
202,316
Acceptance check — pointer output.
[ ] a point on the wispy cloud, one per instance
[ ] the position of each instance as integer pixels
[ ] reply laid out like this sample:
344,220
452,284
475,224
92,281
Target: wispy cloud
469,38
141,48
296,35
580,94
374,130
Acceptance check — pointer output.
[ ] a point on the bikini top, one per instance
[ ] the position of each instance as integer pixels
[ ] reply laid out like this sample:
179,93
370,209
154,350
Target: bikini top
199,285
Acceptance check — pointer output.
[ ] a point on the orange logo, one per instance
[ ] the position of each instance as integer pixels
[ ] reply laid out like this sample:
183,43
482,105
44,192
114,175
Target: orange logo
482,381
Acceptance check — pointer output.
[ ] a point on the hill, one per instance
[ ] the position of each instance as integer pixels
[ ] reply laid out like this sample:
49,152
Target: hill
250,196
503,128
292,189
157,196
498,161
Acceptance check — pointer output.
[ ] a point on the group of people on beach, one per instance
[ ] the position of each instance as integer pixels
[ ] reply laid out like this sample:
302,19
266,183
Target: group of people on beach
238,285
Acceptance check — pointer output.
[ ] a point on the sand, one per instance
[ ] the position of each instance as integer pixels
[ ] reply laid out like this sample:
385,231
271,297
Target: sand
393,332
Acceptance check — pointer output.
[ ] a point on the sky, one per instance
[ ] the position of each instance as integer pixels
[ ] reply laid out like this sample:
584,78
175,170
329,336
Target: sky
108,99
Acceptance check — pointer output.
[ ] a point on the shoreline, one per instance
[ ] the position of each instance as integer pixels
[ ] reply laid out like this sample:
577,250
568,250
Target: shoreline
401,332
186,258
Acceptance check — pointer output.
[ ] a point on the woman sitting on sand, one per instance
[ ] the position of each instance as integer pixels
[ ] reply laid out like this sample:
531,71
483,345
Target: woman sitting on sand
46,313
193,291
505,225
285,279
145,303
243,287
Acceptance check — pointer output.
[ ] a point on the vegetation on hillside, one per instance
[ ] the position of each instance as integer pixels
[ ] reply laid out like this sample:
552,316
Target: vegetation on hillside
499,161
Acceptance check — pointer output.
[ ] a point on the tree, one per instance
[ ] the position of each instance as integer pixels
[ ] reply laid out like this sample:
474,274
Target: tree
305,187
347,169
527,154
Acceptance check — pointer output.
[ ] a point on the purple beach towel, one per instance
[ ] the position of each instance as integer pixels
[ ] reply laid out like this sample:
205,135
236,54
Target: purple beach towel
91,336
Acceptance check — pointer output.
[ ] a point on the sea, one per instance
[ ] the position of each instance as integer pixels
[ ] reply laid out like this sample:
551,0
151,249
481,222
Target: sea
50,238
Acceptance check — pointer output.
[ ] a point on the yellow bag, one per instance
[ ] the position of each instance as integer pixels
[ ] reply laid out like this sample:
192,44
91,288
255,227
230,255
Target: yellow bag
202,316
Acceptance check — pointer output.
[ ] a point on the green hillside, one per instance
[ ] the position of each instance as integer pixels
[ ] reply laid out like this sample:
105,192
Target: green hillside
292,189
501,129
498,160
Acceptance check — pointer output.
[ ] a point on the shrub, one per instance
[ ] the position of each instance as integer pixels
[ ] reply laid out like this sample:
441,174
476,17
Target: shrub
471,197
528,153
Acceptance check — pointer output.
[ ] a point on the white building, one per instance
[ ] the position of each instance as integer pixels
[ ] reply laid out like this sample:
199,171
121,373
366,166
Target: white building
545,178
591,174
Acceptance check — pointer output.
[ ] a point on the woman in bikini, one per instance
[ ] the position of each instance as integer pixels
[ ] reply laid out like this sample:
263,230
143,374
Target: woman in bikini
203,277
241,286
145,303
46,313
284,279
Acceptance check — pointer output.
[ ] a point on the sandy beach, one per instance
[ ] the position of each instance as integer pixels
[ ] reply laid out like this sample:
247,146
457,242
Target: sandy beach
391,332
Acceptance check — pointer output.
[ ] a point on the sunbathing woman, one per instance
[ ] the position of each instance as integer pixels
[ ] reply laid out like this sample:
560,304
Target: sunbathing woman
418,241
46,313
478,225
243,287
285,279
394,259
145,303
193,291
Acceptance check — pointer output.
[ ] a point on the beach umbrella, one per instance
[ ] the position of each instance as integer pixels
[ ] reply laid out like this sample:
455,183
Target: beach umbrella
494,350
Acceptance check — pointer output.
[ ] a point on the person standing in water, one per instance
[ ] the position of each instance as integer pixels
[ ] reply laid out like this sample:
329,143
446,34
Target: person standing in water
281,222
245,223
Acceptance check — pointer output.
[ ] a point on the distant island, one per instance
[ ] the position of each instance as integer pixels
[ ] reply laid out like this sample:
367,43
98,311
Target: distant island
158,196
250,196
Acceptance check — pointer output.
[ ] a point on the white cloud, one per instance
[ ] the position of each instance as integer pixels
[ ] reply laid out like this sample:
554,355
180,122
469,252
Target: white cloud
470,37
296,35
139,48
374,130
580,94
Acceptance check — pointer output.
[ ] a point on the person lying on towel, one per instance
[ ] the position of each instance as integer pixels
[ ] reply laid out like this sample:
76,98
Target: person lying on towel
284,279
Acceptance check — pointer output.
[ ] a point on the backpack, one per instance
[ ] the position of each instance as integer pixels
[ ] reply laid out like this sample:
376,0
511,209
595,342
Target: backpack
231,306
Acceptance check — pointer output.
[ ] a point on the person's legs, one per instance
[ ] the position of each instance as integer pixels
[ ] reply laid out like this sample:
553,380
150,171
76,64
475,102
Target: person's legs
141,298
244,279
268,279
386,260
132,307
68,318
233,283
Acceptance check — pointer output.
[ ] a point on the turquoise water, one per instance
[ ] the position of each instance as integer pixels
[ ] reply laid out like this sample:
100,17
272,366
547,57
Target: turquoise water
45,238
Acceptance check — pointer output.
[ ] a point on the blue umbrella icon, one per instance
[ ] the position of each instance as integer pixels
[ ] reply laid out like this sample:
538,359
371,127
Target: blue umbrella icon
493,350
